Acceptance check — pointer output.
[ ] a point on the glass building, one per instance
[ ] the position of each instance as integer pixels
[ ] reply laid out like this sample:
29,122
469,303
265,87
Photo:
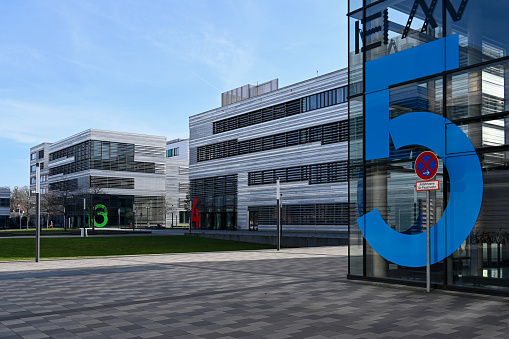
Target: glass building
429,75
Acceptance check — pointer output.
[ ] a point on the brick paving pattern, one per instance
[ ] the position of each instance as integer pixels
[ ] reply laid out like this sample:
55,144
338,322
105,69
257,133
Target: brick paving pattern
294,293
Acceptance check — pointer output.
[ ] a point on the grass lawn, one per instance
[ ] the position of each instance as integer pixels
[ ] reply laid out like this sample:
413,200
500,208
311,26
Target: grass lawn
24,249
43,231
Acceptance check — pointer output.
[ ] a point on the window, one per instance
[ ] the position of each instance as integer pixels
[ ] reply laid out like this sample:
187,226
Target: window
33,181
42,165
5,202
169,153
33,156
44,190
32,169
325,99
326,134
41,154
175,151
314,174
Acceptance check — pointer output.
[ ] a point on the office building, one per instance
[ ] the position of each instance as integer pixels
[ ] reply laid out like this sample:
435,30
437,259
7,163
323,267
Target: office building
429,76
177,183
5,206
117,179
298,133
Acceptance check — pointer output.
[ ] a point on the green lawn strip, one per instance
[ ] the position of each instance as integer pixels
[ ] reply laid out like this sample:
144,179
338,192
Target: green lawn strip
24,249
32,231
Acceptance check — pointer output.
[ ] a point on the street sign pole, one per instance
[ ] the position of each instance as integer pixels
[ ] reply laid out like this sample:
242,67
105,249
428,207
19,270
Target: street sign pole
278,206
38,212
428,243
426,167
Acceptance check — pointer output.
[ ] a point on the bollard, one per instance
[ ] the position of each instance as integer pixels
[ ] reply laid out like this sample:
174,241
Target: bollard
84,232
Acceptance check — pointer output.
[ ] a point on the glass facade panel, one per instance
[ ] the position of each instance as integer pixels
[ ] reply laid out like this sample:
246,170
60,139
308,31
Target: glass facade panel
478,92
394,25
480,27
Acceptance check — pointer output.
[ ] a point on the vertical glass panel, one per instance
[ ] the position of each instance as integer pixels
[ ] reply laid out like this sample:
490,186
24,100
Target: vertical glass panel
356,128
356,210
483,259
354,4
396,25
390,188
355,61
479,91
423,96
487,133
481,29
312,102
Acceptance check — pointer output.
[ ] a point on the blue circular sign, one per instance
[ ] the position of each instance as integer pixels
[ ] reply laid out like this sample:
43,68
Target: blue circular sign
426,165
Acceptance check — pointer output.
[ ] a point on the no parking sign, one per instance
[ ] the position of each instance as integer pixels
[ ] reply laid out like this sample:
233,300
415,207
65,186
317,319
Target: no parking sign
426,165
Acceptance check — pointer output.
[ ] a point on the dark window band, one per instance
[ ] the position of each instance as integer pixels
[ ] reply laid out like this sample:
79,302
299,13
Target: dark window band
309,103
315,174
309,214
326,134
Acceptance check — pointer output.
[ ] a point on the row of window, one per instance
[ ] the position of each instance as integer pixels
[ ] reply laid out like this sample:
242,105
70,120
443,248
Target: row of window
65,185
309,103
309,214
96,149
131,166
256,117
325,99
33,156
326,134
172,152
315,174
214,186
112,182
33,167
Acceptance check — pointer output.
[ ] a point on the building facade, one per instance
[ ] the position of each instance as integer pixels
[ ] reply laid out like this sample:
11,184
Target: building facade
115,179
429,76
298,134
5,206
177,183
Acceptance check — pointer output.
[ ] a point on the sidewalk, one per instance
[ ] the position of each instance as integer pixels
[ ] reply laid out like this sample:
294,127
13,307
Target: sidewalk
294,293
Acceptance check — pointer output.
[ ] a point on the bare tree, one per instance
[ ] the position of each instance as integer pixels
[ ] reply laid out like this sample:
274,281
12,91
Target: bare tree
51,205
20,197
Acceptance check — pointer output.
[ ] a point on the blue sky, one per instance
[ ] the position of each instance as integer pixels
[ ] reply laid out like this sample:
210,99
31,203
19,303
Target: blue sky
145,66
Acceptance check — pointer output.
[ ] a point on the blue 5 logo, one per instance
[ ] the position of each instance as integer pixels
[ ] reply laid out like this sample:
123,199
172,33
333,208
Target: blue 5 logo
425,129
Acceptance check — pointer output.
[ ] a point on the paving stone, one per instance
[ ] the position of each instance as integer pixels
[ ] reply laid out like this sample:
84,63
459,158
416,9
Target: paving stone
294,293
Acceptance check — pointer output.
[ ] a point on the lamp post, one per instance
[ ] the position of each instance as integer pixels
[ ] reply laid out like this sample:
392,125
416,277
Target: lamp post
19,211
119,217
171,216
147,217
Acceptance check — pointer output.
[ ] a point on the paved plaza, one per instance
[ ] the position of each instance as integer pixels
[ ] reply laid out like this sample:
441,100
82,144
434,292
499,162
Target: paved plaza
294,293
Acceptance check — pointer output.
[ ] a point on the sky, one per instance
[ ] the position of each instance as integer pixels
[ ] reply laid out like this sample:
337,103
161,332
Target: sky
146,66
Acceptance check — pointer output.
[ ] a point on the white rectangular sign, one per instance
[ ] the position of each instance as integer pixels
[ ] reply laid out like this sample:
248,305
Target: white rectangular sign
430,185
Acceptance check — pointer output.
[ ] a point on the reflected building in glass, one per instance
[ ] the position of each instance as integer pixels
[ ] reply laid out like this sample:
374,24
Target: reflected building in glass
448,58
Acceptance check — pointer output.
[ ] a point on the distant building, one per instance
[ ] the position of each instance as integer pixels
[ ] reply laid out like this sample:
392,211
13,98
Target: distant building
177,182
5,205
120,177
299,134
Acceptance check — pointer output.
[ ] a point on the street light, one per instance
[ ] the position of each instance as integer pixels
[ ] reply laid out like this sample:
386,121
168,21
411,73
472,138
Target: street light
19,211
147,216
171,216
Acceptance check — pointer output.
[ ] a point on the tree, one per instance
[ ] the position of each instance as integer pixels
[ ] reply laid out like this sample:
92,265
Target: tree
20,196
51,205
